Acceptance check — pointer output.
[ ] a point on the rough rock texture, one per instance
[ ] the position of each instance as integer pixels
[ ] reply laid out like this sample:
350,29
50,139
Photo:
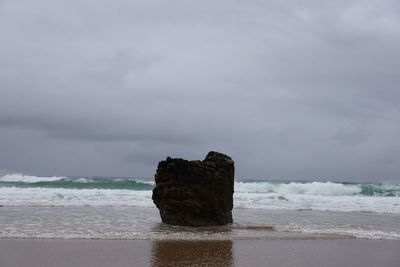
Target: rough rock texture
195,193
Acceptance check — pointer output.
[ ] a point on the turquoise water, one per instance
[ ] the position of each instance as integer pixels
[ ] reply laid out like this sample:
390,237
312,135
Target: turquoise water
83,183
370,189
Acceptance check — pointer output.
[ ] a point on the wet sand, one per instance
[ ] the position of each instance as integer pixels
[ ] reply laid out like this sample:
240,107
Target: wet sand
121,253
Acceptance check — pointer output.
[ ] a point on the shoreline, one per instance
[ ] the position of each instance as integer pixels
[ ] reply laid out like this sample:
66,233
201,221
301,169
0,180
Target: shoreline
271,252
292,236
142,223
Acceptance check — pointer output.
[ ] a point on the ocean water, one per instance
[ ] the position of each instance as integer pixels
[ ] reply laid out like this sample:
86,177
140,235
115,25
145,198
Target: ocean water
122,208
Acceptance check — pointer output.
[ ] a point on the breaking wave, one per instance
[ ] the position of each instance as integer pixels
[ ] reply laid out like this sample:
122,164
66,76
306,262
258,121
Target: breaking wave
24,190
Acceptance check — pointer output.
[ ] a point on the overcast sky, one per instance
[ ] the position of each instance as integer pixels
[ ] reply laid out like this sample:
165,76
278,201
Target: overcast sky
289,89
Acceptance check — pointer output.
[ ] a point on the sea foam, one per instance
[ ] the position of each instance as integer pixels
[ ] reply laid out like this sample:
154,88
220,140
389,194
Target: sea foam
15,177
313,188
24,190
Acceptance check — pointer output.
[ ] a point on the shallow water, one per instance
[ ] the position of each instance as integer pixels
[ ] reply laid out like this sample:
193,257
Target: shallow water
93,222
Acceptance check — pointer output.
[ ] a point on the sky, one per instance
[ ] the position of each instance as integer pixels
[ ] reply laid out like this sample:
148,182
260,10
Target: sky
299,90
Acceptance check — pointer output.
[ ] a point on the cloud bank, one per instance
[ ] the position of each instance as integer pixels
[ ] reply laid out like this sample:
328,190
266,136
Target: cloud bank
293,90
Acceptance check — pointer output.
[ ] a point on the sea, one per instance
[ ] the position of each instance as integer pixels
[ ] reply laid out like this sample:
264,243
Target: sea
122,208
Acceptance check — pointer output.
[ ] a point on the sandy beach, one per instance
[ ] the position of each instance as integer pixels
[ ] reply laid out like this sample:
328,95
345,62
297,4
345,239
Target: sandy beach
121,253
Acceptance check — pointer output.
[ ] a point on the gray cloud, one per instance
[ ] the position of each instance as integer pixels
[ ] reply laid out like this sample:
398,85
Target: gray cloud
304,90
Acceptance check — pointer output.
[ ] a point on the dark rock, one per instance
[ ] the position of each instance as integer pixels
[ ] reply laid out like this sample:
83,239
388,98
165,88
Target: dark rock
195,193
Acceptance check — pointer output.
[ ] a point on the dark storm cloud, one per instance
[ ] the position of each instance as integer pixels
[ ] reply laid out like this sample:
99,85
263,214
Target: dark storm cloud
295,90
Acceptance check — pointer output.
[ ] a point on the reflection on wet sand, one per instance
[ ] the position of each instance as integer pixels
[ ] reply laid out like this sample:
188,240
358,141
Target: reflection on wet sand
192,253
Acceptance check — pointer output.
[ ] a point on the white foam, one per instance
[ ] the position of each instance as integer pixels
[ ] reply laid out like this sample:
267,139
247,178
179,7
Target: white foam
83,180
14,196
144,181
346,230
314,188
249,195
274,201
15,177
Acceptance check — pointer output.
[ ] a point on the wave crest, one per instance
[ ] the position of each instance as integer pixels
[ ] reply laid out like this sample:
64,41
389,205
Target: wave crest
16,177
313,188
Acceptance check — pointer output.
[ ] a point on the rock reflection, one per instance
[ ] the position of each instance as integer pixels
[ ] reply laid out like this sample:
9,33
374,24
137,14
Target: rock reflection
192,253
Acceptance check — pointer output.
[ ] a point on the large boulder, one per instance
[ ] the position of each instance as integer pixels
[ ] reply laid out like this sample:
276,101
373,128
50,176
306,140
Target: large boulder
195,193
